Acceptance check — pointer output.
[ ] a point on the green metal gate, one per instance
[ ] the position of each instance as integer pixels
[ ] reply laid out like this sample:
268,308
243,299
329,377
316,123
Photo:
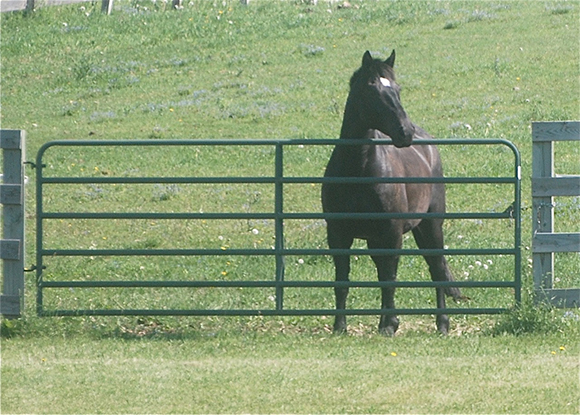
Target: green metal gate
50,280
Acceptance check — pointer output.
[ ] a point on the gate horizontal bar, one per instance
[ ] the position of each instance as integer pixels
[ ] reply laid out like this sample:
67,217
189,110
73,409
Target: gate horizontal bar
265,216
275,284
272,180
272,252
272,142
273,312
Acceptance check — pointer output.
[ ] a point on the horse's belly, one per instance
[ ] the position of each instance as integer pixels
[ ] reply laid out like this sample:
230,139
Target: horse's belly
383,198
370,229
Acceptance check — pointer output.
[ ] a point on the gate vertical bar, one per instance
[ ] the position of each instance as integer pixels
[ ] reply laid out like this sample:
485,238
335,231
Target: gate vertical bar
39,232
279,223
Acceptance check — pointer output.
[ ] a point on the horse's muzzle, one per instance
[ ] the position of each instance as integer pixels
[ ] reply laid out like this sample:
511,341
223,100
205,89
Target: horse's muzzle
406,137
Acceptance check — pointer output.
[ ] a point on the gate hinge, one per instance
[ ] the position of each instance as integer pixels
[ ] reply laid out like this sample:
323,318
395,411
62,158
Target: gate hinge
33,164
33,268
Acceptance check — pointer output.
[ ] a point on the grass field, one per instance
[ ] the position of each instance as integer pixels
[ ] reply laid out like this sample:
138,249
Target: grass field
292,373
470,69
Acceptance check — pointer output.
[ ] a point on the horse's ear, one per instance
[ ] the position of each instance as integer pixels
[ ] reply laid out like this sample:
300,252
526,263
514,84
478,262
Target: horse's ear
367,59
391,59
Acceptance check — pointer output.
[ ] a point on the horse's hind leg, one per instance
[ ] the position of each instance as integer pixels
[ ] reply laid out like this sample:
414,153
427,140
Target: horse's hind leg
342,268
429,235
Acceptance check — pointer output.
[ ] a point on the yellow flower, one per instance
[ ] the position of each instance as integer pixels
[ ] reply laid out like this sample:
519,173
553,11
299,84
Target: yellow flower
394,354
562,348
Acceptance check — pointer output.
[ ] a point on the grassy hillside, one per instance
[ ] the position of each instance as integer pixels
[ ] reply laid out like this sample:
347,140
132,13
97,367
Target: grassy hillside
280,69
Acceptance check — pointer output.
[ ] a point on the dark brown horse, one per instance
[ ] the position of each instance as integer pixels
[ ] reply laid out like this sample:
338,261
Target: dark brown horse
373,110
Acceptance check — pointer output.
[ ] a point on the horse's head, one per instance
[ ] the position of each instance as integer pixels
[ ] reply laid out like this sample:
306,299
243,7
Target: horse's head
375,94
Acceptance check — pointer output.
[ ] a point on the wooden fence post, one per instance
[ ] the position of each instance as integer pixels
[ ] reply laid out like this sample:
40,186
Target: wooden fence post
546,185
107,6
12,143
543,213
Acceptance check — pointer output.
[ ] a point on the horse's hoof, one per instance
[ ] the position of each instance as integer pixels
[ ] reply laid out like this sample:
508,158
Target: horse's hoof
388,331
388,325
443,325
339,327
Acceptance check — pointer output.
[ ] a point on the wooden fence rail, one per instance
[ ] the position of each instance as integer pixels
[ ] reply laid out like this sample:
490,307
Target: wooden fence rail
546,185
29,5
12,242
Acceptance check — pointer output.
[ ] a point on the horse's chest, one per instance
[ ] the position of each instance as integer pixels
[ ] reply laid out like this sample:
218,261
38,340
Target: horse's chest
365,198
378,197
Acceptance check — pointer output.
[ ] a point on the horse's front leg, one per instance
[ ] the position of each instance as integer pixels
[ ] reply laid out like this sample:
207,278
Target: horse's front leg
342,269
387,271
337,240
439,271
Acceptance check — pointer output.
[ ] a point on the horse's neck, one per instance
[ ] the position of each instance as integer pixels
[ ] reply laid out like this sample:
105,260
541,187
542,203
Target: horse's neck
352,126
352,159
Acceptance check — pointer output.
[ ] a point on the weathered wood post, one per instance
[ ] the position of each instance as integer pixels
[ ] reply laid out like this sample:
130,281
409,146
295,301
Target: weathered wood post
12,243
107,7
546,185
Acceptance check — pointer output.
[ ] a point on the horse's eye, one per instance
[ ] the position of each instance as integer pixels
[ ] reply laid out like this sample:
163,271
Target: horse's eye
385,82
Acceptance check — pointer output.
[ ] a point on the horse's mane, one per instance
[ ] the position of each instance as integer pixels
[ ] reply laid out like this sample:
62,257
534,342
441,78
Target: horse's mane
378,66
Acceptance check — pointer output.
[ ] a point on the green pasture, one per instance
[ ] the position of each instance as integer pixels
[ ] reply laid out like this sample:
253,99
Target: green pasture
280,69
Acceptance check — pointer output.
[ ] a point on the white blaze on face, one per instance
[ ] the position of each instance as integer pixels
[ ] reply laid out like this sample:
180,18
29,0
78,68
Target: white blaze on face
385,82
